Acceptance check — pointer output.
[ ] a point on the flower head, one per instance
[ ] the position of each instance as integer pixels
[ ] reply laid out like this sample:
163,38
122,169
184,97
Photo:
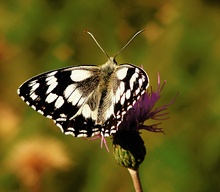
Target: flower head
30,159
128,146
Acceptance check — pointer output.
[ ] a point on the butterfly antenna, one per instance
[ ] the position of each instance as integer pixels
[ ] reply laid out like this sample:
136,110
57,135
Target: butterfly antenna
136,34
97,44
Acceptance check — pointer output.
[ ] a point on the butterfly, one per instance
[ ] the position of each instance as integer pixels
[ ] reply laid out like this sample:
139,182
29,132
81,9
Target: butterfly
87,100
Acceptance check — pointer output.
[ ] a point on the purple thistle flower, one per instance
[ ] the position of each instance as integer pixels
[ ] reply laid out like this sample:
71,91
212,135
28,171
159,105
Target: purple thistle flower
128,146
144,110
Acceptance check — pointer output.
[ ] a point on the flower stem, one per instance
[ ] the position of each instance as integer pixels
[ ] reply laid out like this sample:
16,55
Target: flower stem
136,179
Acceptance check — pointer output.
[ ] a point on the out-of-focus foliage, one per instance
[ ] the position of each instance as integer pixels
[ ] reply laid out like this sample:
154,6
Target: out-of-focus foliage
181,41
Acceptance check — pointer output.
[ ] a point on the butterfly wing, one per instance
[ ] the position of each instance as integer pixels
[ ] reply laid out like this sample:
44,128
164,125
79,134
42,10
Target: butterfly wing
130,83
61,95
74,98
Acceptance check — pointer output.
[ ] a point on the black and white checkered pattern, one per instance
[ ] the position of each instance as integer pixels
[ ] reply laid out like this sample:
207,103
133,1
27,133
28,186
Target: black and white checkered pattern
85,101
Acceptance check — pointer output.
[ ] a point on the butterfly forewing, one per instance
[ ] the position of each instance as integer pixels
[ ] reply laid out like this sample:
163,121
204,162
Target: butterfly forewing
86,101
60,93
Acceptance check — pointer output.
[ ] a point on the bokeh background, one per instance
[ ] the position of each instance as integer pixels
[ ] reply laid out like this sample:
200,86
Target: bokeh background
181,42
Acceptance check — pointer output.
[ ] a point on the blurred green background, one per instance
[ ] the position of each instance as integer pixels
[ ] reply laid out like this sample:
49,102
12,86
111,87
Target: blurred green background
181,41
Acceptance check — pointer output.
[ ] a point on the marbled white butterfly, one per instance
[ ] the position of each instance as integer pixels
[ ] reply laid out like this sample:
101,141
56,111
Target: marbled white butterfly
85,101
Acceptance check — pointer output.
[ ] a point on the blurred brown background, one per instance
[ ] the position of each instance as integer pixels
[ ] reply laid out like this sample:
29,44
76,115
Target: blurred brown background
181,41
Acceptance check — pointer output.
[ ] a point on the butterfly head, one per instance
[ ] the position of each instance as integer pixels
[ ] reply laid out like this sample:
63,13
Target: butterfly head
109,66
112,60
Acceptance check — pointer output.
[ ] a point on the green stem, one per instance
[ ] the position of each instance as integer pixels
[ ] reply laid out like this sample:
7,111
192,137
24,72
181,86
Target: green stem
136,180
